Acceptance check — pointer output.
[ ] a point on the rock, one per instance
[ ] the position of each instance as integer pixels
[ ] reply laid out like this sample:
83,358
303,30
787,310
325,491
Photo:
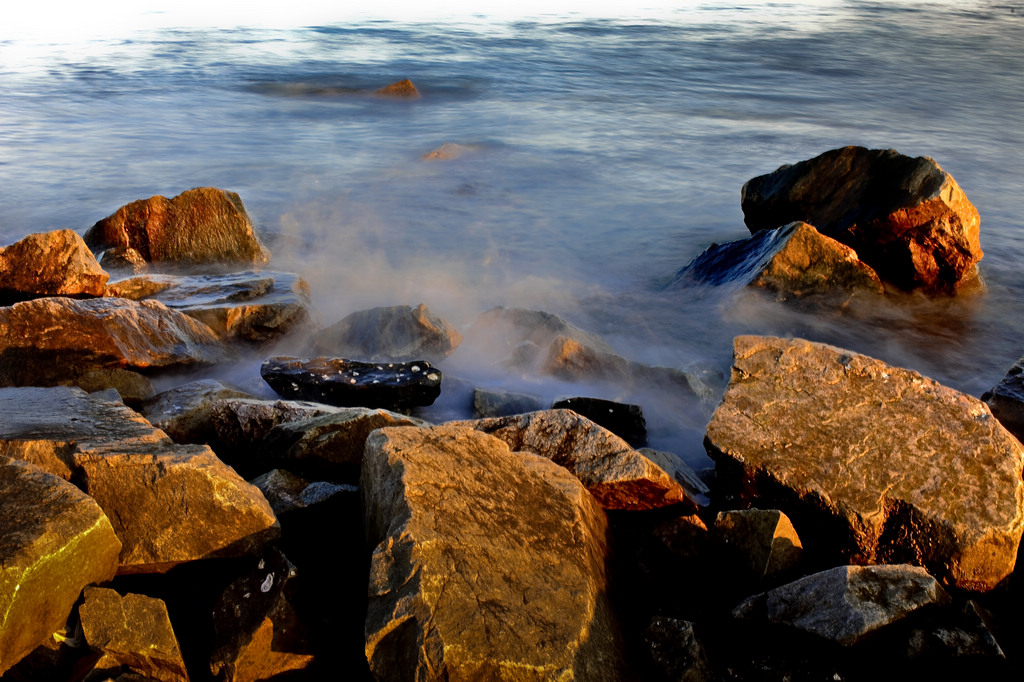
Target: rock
696,489
449,151
184,412
54,540
618,476
846,603
874,463
966,634
402,88
675,650
624,420
496,403
50,341
287,492
257,634
133,632
394,334
201,225
1006,400
132,387
762,541
54,263
345,383
905,217
488,564
793,262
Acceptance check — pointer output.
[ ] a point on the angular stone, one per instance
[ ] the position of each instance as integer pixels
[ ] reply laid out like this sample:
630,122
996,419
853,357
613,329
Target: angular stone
1006,400
696,489
846,603
54,263
344,383
50,341
905,217
794,262
618,476
624,420
201,225
287,492
54,540
395,334
879,463
402,88
132,387
488,564
763,541
131,631
675,650
240,425
184,412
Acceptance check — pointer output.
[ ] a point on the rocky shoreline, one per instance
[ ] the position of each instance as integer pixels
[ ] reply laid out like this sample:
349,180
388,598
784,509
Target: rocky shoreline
862,521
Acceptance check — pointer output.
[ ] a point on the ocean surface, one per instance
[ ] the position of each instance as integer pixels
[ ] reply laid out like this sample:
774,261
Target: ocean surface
604,149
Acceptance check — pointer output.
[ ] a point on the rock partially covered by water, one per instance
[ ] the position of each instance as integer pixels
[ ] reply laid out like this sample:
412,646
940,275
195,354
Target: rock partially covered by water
54,263
1006,399
905,217
879,464
54,540
624,420
396,333
402,88
201,225
518,592
346,383
846,603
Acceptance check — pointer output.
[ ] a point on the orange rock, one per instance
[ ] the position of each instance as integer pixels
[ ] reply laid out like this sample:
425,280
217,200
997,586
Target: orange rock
54,263
403,88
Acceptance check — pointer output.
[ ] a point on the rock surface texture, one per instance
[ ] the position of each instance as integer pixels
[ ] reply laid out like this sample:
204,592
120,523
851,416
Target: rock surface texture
54,263
879,464
395,334
905,217
488,564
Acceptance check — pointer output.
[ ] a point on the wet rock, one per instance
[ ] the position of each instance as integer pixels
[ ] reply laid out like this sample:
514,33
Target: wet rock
517,592
675,650
184,412
257,633
50,341
346,383
794,262
847,603
287,492
905,217
133,632
201,225
395,334
762,541
54,263
618,476
877,463
495,403
1006,400
54,540
402,88
624,420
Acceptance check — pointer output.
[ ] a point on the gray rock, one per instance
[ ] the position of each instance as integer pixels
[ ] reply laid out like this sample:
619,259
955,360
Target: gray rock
287,492
1006,400
184,412
391,334
496,403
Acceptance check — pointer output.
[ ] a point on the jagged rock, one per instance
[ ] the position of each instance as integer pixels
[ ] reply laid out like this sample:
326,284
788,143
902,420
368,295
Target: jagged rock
675,650
287,492
395,334
201,225
846,603
54,263
624,420
402,88
905,217
345,383
49,341
131,631
54,540
696,489
1006,400
876,464
762,541
618,476
794,262
488,564
495,403
184,412
240,425
257,633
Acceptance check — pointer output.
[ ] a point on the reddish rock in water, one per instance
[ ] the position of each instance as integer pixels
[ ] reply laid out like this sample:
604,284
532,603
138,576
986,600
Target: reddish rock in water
54,263
402,88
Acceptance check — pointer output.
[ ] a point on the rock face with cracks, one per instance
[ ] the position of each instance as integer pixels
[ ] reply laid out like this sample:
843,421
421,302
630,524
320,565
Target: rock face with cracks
488,564
54,263
876,463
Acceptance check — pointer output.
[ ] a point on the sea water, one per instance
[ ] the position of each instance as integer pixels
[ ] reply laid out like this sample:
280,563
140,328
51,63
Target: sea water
604,148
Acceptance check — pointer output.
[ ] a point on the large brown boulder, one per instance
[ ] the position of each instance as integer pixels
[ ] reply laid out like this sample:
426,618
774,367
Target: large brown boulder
488,564
201,225
54,540
395,333
56,263
905,217
877,463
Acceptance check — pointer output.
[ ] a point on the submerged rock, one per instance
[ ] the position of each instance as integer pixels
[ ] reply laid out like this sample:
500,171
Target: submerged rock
448,151
497,403
905,217
624,420
877,463
402,88
54,263
518,592
396,334
1006,399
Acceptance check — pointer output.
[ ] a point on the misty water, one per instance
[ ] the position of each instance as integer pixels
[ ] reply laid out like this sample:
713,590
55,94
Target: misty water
602,154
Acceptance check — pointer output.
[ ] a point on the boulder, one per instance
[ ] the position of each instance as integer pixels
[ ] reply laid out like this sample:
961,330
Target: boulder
132,632
287,492
402,88
54,540
184,412
50,341
395,334
873,463
54,263
676,652
488,564
793,262
616,475
846,603
905,217
1006,400
497,403
762,542
346,383
201,225
624,420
